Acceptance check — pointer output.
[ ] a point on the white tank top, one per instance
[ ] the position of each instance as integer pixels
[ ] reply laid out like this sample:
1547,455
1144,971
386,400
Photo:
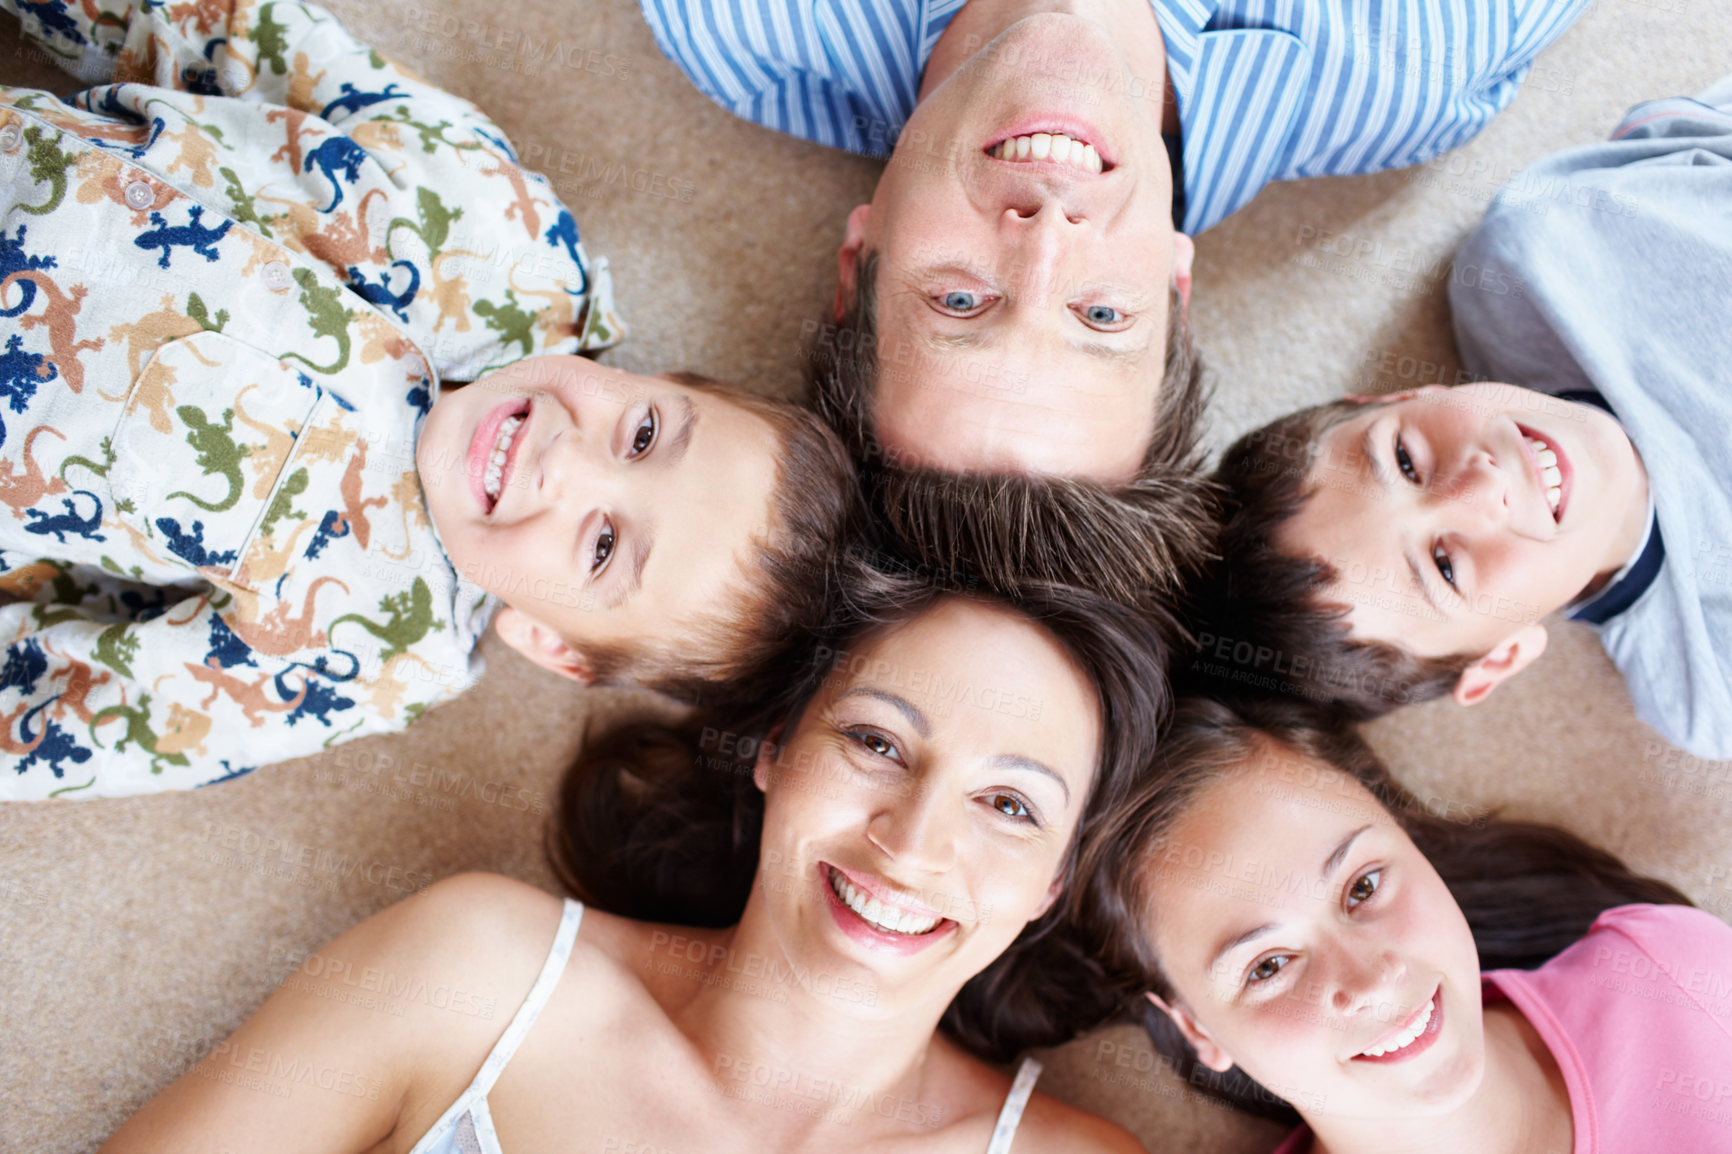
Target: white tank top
467,1126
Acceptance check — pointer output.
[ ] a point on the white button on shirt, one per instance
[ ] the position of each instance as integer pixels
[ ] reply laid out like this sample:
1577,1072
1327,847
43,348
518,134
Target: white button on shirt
140,195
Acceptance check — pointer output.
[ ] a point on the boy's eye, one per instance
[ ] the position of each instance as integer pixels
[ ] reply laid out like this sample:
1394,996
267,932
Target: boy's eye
604,543
1444,566
1267,968
645,436
1363,887
960,301
1405,462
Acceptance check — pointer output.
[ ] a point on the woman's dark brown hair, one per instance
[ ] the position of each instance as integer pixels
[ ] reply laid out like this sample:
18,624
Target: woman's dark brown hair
1126,542
816,512
1263,620
661,822
1527,890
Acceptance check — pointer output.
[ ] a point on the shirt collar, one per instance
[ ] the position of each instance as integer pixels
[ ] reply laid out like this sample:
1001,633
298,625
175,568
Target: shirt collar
1633,578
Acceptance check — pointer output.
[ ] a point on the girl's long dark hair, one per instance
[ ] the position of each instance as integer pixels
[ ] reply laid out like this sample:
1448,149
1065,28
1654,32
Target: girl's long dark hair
661,822
1527,890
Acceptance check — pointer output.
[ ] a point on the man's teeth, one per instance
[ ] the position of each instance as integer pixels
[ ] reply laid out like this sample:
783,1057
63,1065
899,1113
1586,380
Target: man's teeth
1406,1038
1054,146
875,912
496,463
1554,476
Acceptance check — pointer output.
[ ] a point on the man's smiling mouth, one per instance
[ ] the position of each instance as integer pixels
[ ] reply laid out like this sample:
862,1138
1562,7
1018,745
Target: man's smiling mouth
1051,147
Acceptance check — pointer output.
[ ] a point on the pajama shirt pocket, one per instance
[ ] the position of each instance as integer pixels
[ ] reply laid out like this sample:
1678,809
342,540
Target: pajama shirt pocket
222,456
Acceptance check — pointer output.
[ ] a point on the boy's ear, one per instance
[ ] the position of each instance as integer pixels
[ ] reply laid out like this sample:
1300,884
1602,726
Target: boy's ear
1184,254
1517,652
541,645
848,260
1208,1052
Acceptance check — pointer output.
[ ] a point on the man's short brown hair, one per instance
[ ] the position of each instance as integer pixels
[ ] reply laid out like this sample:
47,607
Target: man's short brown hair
1127,542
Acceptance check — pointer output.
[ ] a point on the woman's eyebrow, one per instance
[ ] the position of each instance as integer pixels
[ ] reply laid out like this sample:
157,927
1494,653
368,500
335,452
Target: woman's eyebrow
907,708
1017,761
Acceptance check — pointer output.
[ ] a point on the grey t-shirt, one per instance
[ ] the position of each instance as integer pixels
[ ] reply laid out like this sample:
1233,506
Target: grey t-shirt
1609,268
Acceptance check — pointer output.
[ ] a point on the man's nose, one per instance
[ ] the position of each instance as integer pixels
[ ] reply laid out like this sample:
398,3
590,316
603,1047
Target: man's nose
1039,232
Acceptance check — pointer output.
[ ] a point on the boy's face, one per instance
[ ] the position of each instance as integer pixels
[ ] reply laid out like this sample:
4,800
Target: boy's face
1449,525
601,506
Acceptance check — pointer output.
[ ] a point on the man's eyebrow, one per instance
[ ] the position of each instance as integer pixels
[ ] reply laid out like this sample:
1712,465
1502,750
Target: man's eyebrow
682,439
1017,761
907,708
1333,862
956,342
1112,354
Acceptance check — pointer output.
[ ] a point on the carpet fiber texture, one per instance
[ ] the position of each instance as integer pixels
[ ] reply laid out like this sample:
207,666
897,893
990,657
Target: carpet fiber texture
135,934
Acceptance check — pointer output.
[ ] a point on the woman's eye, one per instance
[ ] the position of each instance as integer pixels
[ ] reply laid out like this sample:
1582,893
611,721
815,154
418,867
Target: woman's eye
1267,968
1405,462
958,301
1010,805
604,543
645,435
1444,566
1104,317
1363,887
876,744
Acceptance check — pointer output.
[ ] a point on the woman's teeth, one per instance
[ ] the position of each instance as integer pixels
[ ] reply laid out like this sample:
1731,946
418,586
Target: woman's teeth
1054,146
876,913
496,463
1406,1038
1554,477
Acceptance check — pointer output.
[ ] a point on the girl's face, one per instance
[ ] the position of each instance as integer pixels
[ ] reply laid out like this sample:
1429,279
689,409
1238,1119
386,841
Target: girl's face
1311,944
918,816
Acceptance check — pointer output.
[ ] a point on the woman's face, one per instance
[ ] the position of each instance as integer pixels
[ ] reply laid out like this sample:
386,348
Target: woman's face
1311,944
918,816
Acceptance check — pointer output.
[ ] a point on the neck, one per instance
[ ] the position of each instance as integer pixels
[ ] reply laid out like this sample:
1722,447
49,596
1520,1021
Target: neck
776,1032
1521,1106
1132,22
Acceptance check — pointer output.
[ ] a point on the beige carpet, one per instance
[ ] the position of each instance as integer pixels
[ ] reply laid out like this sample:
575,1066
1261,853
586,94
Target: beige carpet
135,934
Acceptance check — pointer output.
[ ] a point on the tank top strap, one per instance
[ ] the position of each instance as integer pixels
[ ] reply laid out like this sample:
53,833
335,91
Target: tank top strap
532,1005
1010,1117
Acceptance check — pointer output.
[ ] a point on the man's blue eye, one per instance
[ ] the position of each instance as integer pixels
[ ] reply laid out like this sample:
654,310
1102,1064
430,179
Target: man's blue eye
961,302
1103,315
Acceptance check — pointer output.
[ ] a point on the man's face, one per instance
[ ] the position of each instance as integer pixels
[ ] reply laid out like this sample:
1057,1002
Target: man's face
1454,517
1022,302
598,504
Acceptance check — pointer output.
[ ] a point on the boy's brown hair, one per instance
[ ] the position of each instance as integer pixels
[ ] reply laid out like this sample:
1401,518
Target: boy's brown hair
816,516
1126,542
1263,619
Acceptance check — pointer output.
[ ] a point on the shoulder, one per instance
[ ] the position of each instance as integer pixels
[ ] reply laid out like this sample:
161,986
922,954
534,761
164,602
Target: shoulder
1051,1125
1684,929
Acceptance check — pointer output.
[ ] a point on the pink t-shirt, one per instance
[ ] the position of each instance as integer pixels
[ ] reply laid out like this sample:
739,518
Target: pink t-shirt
1638,1015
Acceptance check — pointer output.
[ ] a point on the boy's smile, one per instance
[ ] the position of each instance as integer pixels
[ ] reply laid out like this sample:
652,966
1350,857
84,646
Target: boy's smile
1455,517
603,505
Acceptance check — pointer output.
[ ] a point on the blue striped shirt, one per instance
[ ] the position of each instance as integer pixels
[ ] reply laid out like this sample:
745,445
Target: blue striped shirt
1267,89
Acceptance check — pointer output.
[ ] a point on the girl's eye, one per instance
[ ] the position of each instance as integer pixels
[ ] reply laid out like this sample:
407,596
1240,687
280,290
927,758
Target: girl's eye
1363,887
604,543
645,435
1405,462
1444,566
958,301
1010,805
1104,317
1267,968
